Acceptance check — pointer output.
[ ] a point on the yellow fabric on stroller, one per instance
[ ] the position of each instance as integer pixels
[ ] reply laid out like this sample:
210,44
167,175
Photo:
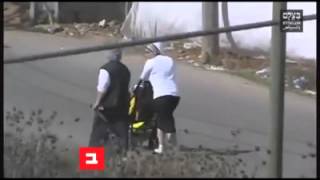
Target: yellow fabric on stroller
142,121
137,124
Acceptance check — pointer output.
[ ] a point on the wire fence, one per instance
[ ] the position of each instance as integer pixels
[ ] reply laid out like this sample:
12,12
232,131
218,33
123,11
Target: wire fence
148,40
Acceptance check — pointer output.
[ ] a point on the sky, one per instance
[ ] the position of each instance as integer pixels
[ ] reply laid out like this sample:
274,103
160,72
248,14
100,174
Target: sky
174,17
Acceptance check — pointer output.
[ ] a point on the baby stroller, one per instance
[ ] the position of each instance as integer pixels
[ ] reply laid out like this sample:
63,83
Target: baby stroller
142,127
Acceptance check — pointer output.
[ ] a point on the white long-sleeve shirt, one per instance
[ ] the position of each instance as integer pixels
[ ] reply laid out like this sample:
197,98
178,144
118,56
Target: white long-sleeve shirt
103,80
160,71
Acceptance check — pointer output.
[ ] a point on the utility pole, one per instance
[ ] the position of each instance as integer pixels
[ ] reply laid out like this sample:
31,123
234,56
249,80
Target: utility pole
210,44
278,59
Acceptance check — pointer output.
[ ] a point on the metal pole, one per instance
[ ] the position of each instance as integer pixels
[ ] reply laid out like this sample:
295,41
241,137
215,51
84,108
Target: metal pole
278,58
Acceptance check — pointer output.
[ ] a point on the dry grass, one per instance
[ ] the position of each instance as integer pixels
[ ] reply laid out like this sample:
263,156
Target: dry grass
37,155
245,65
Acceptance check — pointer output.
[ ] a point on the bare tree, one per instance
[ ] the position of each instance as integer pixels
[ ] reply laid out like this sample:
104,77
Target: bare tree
127,7
210,44
32,12
129,26
37,10
49,13
226,22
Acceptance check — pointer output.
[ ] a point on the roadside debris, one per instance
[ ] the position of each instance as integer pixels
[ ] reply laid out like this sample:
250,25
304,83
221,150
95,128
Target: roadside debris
207,67
170,47
261,57
55,29
112,23
196,64
300,83
216,68
310,92
264,73
189,45
71,34
191,61
82,28
180,51
48,28
14,14
102,23
213,68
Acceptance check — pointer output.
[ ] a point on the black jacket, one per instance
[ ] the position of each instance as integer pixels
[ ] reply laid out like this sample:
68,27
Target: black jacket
116,100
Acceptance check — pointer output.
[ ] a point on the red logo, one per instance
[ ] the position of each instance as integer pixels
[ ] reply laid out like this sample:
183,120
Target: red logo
91,158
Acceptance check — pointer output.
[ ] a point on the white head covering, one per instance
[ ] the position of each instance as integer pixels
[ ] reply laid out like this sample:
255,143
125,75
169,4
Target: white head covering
155,48
157,45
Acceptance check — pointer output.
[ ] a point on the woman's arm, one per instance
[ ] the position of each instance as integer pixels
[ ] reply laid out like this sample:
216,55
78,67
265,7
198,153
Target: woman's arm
146,71
144,75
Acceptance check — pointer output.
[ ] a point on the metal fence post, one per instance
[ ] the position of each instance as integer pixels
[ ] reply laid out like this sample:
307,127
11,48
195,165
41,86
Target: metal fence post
278,58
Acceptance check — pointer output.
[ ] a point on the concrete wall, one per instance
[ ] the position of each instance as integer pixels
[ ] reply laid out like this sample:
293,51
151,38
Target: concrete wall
90,12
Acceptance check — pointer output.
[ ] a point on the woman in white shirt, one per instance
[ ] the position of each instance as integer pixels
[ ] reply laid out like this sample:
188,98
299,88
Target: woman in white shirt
160,70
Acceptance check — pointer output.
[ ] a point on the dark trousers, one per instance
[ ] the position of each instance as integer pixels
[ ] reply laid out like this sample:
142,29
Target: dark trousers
118,124
164,108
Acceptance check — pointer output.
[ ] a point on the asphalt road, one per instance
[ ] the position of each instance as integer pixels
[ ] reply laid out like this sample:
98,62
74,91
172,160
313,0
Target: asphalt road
212,103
